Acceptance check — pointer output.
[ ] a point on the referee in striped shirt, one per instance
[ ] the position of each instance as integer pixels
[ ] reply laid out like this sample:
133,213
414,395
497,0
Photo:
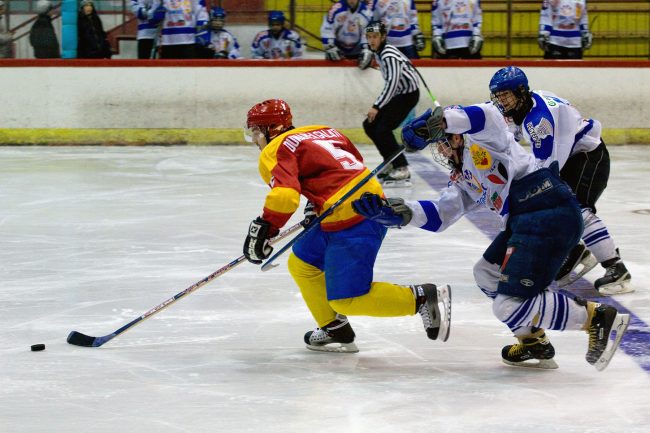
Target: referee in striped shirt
394,103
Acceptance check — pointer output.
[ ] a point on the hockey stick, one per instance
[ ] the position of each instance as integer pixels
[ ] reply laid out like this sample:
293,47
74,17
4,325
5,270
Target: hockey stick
79,339
381,167
433,99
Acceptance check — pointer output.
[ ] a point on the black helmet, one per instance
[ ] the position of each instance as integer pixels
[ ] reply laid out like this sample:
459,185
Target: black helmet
376,27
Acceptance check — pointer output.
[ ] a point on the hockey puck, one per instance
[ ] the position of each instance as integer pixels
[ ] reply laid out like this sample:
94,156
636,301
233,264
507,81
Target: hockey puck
38,347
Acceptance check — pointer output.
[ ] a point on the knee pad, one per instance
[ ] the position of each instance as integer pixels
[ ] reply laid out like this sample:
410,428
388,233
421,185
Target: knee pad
588,217
487,275
300,269
504,305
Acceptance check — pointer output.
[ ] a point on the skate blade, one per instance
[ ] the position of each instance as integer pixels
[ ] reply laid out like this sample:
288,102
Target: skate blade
335,347
586,264
444,298
621,322
624,286
396,184
543,364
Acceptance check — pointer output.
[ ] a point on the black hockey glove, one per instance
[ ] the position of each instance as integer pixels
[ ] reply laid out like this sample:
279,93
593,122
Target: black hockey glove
391,212
256,245
310,214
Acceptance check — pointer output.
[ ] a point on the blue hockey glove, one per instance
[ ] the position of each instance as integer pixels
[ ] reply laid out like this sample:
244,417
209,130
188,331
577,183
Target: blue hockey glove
391,212
415,134
158,15
256,245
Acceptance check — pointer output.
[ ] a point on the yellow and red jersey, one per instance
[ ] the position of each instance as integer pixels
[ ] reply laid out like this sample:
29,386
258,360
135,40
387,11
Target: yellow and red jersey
320,163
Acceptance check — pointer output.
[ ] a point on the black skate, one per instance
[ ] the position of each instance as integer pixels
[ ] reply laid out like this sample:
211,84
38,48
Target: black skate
434,305
532,351
617,280
604,321
397,177
337,336
580,261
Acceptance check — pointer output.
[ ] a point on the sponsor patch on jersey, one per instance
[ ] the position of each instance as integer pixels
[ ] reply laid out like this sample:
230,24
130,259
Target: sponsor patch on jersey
526,282
496,179
481,157
497,201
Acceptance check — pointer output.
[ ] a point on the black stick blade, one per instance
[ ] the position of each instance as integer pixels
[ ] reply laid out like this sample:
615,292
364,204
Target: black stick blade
79,339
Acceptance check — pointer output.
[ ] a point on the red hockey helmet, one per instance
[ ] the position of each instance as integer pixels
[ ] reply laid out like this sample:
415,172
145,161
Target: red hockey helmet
272,117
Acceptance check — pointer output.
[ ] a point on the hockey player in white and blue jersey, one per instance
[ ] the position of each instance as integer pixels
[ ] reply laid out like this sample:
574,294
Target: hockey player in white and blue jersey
556,131
343,32
541,223
277,42
219,43
147,31
456,29
401,20
564,29
179,20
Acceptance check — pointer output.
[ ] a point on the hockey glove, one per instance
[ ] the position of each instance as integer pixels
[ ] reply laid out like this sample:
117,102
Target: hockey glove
391,212
438,45
542,41
418,41
365,58
256,245
158,15
310,214
221,54
475,44
587,39
332,53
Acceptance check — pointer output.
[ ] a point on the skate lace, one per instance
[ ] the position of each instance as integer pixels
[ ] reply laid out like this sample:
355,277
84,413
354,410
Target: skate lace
426,317
517,349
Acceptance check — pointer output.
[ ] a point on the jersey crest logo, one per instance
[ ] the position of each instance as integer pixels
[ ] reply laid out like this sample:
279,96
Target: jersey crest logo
540,131
481,157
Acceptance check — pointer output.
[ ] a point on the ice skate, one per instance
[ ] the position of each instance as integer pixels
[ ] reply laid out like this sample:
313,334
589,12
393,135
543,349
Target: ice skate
397,177
533,351
337,336
434,305
580,261
604,321
617,280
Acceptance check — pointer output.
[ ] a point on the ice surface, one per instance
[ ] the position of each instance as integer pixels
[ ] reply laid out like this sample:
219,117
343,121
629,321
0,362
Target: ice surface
93,237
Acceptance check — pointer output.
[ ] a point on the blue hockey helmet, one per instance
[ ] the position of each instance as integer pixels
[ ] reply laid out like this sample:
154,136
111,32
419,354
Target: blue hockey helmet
217,13
513,79
508,78
276,17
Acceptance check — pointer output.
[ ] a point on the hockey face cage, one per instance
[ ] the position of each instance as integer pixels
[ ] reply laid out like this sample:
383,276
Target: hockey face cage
513,79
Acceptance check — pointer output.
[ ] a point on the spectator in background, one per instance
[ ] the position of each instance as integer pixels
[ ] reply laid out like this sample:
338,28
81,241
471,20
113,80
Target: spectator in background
5,35
183,25
147,31
343,32
401,20
277,42
456,29
218,42
92,42
42,36
564,29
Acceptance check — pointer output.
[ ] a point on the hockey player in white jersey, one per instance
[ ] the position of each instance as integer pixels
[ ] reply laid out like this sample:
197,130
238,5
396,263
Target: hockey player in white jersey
277,42
179,21
401,20
556,131
564,29
219,43
343,32
147,31
456,29
541,223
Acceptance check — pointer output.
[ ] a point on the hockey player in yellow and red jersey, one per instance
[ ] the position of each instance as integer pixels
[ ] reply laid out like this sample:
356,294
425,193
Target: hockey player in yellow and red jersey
333,263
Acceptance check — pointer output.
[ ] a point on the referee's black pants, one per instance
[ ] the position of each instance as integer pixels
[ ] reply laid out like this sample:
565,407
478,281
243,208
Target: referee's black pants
389,117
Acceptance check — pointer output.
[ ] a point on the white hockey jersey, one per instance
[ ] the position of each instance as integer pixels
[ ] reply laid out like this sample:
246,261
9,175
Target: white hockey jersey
223,40
456,21
287,46
492,160
400,18
555,130
345,28
142,10
564,21
182,18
